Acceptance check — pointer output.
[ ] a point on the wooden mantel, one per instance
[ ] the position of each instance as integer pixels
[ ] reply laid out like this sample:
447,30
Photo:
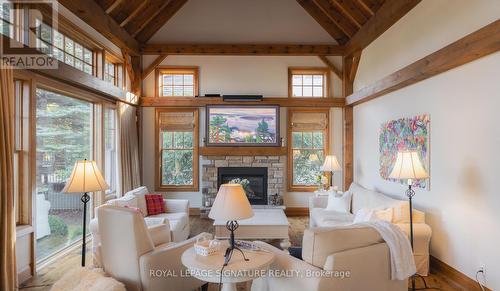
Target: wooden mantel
203,101
242,151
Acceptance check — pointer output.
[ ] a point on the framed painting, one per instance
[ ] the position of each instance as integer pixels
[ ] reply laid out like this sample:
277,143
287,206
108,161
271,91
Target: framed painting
404,134
242,126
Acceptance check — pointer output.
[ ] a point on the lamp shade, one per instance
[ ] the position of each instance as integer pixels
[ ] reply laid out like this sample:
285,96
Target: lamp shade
408,166
331,164
231,203
85,177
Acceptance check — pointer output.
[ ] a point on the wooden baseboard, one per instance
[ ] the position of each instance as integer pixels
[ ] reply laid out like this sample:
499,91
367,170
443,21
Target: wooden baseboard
452,276
297,211
24,275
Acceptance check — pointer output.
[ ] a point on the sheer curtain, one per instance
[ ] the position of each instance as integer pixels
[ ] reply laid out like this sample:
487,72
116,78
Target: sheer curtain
130,176
8,272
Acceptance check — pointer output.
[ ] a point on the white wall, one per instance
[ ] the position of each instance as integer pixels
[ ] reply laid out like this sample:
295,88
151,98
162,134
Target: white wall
242,21
462,204
238,75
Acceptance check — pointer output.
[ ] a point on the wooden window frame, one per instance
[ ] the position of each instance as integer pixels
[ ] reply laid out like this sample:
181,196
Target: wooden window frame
326,146
310,71
193,69
119,69
158,164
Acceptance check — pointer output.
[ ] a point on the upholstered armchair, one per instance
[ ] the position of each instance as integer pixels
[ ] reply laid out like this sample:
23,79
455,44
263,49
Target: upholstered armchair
360,251
130,255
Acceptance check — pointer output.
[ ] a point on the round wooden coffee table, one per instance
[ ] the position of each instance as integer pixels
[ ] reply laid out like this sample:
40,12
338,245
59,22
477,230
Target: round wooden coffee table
209,268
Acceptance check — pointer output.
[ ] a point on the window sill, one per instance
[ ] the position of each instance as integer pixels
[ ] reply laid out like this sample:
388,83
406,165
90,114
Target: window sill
177,189
302,188
22,230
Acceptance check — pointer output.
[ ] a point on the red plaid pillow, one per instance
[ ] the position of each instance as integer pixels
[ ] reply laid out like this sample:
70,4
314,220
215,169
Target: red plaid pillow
154,203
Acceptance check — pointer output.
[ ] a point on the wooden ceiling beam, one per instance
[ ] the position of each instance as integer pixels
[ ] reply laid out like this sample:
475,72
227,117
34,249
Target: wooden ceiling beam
243,49
341,21
388,14
478,44
124,9
324,21
134,13
349,8
153,66
93,14
331,66
113,6
368,6
105,4
135,25
159,20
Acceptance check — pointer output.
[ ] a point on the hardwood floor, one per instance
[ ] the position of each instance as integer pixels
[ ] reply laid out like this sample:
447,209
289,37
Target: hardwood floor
48,275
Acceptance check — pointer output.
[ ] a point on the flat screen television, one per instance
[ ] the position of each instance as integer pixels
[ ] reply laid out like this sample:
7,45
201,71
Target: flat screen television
242,125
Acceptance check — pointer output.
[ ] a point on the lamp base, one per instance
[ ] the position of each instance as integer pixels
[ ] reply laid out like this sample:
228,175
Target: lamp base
232,225
410,193
85,199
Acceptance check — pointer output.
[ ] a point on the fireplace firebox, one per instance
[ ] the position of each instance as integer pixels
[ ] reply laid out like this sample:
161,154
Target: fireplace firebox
253,180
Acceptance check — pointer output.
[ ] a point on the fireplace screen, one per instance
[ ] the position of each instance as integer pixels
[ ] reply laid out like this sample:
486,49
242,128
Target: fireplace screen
253,181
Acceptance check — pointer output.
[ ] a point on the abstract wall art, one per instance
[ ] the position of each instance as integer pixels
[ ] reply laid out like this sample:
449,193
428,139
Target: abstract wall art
410,133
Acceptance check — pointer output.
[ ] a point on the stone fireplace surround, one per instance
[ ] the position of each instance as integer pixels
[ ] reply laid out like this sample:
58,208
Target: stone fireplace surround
276,167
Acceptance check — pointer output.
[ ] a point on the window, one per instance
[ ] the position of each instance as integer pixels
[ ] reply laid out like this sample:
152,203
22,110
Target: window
178,81
21,152
110,153
64,134
307,147
308,82
6,19
113,71
64,48
177,144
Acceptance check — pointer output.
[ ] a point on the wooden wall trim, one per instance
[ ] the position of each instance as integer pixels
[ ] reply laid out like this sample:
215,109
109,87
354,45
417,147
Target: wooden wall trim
203,101
244,49
478,44
453,276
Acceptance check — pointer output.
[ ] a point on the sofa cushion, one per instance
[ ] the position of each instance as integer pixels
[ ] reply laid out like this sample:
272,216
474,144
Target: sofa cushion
139,194
364,198
177,220
323,217
339,203
125,201
154,204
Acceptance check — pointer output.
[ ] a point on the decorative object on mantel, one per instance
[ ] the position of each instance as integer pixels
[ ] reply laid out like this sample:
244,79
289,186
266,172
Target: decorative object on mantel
331,165
404,134
407,168
242,126
244,98
275,200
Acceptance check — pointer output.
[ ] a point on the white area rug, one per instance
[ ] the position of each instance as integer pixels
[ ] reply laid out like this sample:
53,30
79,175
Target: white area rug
87,279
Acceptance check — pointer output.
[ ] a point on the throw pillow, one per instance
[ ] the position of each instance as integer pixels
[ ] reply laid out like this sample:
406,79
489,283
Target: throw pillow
363,215
154,204
340,204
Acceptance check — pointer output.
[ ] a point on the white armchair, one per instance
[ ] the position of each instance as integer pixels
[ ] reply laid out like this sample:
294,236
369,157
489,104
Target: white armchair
333,259
130,255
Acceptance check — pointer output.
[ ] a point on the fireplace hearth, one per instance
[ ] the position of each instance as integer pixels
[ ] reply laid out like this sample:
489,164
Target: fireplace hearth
253,180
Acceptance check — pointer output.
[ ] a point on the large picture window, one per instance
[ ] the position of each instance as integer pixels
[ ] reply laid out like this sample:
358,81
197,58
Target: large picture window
307,147
177,149
64,134
110,153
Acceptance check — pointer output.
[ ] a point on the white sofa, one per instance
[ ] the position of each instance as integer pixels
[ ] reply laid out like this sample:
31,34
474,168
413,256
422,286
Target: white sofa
176,218
327,255
364,198
131,256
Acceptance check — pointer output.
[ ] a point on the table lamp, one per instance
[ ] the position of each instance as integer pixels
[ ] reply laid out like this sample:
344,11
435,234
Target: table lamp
409,167
331,165
85,178
231,204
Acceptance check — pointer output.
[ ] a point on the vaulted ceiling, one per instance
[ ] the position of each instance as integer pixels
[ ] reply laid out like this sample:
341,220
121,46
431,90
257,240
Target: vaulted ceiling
132,23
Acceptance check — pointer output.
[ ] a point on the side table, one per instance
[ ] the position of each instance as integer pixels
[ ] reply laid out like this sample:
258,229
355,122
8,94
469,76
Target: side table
209,268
